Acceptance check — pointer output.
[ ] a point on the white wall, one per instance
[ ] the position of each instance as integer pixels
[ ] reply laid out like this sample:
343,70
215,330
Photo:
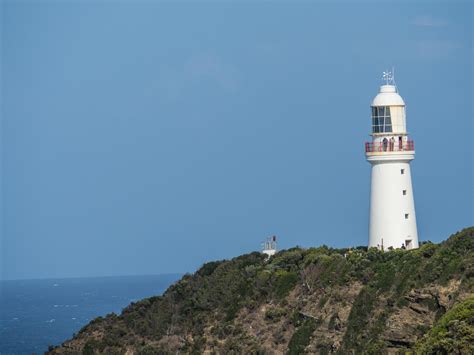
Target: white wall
388,205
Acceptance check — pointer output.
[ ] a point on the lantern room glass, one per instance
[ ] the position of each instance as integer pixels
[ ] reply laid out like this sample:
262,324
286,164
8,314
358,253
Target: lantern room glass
381,119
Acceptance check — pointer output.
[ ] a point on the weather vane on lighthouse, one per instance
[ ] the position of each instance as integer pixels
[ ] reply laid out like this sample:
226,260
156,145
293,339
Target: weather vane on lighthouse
389,77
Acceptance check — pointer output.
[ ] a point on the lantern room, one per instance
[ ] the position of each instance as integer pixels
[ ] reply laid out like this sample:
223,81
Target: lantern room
388,112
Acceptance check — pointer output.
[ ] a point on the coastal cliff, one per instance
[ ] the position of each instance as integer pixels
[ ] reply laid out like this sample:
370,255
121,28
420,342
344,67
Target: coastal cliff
316,300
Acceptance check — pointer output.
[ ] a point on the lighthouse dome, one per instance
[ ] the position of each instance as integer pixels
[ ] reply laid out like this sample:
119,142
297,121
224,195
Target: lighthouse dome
388,96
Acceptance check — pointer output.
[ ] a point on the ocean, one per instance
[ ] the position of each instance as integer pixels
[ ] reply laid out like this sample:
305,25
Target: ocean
38,313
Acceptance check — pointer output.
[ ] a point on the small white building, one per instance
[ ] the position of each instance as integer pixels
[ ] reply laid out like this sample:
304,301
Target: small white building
269,247
392,207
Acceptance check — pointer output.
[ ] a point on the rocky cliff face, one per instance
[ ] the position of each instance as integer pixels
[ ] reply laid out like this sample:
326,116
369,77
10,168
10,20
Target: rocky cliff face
317,300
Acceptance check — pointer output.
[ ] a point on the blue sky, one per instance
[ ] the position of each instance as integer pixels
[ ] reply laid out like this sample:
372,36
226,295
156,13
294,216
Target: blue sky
150,137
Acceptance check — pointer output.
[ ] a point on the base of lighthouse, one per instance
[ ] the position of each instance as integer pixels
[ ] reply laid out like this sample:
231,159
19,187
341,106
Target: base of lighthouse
392,208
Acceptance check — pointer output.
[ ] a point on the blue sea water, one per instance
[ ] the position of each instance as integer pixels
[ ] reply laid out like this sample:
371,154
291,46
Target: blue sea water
38,313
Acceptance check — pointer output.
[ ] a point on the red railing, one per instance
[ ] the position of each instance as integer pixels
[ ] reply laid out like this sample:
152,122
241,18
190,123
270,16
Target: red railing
389,146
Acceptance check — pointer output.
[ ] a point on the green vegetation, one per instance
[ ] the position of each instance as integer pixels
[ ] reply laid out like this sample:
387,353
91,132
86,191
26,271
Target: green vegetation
207,310
302,336
274,314
453,333
391,275
285,282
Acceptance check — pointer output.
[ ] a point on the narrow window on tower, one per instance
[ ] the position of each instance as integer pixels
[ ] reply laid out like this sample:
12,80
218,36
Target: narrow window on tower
402,171
406,215
404,192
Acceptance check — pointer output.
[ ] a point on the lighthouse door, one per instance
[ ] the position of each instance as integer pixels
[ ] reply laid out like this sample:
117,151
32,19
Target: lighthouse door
408,244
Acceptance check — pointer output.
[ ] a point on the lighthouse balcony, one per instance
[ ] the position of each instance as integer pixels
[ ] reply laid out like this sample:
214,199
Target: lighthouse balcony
388,146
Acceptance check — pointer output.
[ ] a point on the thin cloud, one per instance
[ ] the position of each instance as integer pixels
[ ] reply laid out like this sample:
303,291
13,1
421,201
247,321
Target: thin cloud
210,67
437,48
205,68
428,21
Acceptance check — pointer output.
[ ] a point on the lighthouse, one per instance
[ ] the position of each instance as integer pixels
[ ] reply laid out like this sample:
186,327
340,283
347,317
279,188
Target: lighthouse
392,221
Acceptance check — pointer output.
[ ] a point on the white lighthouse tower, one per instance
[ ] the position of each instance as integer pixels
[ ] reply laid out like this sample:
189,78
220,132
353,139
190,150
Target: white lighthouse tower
392,206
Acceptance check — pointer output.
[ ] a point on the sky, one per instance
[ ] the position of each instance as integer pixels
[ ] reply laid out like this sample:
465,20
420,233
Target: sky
151,137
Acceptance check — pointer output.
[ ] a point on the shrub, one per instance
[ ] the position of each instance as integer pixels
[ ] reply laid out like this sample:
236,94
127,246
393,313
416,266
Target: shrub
275,313
453,333
285,282
302,336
